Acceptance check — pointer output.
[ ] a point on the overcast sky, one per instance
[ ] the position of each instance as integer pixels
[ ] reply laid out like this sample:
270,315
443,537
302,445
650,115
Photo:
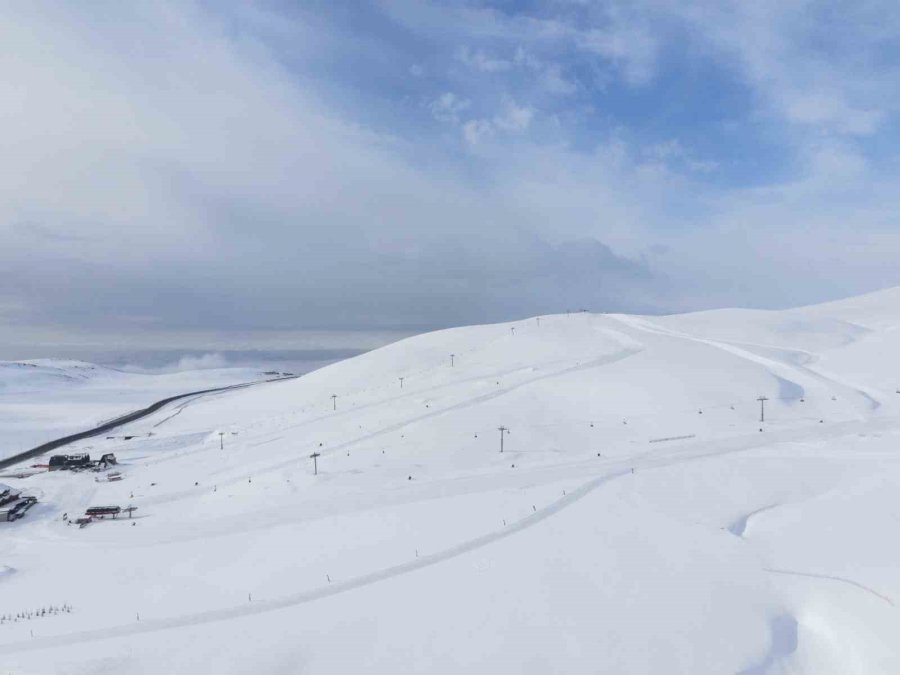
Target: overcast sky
204,170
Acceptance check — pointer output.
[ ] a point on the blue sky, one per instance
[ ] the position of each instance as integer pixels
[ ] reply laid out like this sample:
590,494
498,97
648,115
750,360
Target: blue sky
194,169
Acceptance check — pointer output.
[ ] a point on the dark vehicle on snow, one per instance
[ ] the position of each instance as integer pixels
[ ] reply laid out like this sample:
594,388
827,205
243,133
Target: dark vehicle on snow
14,511
70,462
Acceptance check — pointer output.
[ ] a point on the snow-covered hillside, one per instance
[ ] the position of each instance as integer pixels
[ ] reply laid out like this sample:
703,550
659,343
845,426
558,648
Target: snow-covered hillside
44,399
640,519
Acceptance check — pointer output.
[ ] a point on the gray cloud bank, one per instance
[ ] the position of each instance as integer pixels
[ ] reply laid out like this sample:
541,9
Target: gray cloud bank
165,171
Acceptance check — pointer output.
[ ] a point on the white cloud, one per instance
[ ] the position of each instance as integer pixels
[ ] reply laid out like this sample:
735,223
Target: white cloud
824,109
203,362
553,81
628,44
475,131
479,60
832,87
514,118
549,75
673,155
448,106
196,182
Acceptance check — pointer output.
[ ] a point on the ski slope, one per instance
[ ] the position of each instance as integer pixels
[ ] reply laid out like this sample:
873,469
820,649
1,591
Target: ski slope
640,519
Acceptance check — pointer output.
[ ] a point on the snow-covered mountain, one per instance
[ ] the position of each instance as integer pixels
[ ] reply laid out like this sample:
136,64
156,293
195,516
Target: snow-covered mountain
640,519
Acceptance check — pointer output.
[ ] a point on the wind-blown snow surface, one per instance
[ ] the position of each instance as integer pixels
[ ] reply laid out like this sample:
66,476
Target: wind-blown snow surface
591,544
45,399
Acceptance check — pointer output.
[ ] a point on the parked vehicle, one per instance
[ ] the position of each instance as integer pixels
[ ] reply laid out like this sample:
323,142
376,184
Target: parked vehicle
15,510
8,494
69,462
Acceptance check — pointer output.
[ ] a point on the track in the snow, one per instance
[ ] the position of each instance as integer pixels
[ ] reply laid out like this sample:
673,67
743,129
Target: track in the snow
302,597
704,451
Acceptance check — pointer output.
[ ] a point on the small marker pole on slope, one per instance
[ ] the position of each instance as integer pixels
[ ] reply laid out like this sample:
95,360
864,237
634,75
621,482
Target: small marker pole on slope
452,357
401,382
762,408
221,441
503,431
315,458
334,401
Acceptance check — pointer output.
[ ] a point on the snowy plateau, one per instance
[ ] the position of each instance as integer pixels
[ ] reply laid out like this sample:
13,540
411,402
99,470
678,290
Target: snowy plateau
641,517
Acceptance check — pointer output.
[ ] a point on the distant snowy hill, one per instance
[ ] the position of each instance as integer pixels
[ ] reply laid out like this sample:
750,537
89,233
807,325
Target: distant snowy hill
641,517
42,374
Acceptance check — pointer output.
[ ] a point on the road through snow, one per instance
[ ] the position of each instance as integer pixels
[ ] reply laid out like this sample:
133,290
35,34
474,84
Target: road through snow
118,422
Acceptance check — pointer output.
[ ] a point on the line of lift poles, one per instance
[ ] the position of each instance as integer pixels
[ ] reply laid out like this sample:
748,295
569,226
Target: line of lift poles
502,429
505,430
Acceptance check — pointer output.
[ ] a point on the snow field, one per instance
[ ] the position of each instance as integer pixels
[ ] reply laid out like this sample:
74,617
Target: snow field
419,547
45,399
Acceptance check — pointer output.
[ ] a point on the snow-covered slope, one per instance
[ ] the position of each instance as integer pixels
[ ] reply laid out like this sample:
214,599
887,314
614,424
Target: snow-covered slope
640,519
45,399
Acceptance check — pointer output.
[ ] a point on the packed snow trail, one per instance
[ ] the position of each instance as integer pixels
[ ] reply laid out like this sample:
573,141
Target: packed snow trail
335,588
437,412
338,587
511,479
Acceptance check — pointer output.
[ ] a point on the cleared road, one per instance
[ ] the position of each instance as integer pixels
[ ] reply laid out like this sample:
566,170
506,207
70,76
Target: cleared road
118,422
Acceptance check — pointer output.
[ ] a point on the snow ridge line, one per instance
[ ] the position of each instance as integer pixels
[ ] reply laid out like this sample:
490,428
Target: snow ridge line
830,577
739,526
303,597
772,365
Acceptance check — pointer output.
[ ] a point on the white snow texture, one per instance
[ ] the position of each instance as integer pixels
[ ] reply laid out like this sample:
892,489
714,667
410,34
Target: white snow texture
640,519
